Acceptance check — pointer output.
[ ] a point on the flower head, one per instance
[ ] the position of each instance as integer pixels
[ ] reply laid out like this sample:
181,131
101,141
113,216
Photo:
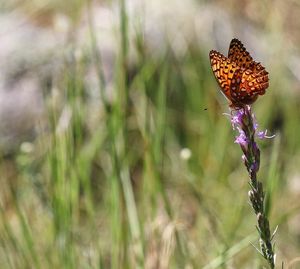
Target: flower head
244,121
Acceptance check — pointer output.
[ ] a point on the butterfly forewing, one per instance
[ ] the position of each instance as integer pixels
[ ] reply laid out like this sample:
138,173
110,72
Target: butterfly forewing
224,71
238,54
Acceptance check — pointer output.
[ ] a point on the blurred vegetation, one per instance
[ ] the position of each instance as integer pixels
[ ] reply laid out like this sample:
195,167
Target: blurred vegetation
140,170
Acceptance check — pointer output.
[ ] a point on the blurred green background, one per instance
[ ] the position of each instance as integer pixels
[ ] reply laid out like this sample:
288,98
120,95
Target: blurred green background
115,152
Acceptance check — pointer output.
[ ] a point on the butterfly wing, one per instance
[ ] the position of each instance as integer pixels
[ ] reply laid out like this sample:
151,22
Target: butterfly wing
246,86
238,97
237,53
255,79
224,71
255,83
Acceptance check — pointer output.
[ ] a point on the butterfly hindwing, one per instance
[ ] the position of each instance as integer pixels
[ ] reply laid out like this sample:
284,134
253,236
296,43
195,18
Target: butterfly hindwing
235,87
255,83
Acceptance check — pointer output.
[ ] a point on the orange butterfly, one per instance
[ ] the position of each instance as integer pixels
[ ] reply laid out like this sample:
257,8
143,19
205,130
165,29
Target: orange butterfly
241,78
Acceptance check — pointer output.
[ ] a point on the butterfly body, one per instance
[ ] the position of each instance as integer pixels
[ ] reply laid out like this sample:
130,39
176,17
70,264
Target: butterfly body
241,79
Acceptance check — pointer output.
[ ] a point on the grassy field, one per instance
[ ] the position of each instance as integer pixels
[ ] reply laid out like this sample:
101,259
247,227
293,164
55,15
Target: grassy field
147,174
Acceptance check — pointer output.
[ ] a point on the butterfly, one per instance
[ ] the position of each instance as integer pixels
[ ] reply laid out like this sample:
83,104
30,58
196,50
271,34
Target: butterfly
241,79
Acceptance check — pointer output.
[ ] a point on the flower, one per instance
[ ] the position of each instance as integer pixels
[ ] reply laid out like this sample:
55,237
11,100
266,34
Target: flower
244,121
241,119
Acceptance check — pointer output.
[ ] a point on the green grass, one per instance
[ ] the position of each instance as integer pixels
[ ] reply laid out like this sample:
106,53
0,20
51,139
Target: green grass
108,188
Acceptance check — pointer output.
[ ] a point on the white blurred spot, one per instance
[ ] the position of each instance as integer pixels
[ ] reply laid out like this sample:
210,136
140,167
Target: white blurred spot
27,147
185,154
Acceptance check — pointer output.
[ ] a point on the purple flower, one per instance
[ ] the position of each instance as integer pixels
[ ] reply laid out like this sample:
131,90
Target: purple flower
263,135
244,121
237,118
241,138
